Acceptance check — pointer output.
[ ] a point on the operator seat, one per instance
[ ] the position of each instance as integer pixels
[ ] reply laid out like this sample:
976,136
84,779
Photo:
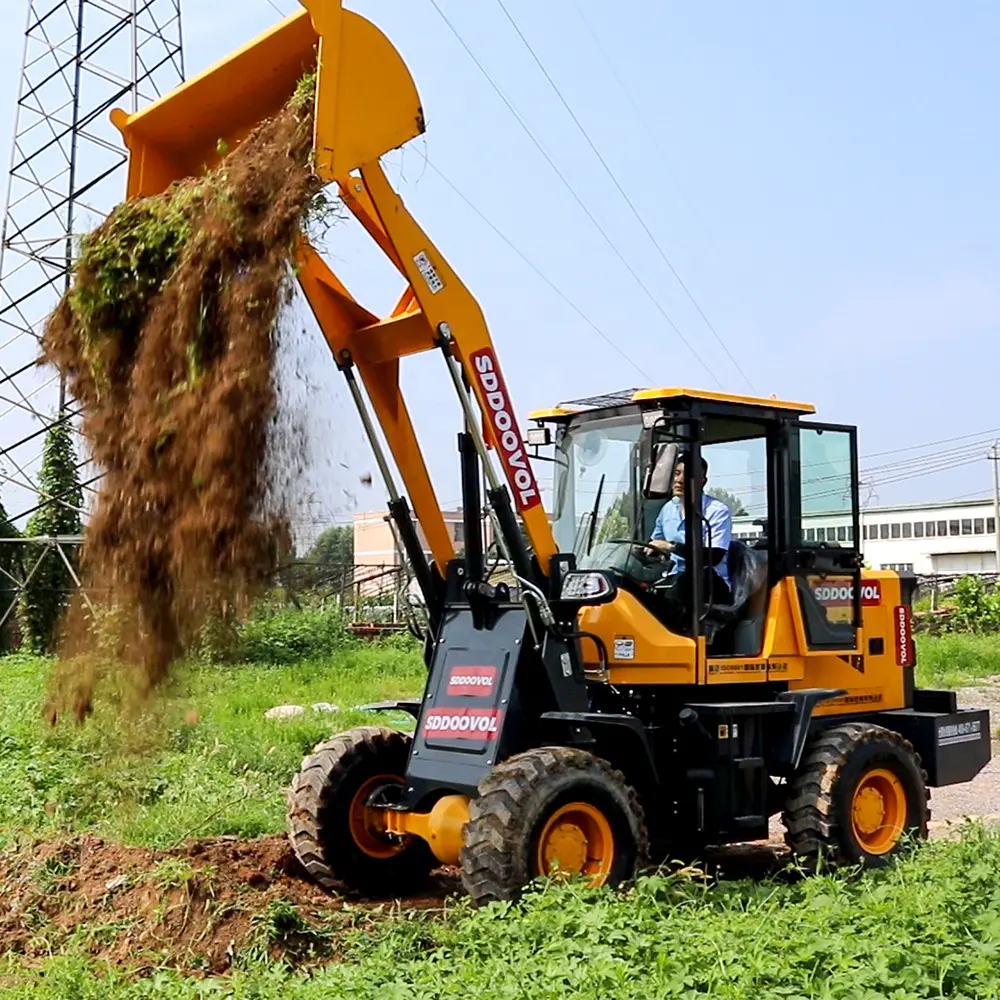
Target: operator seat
742,619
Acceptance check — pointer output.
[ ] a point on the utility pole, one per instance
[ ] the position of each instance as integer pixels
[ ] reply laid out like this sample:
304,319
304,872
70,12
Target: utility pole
995,459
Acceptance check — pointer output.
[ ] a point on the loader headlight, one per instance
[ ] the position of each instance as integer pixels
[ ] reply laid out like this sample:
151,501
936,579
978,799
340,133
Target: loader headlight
589,587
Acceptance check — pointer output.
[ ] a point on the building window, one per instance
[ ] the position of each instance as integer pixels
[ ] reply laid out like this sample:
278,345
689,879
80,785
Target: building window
954,527
810,534
918,529
883,531
907,529
850,532
458,531
942,528
966,526
979,526
991,526
894,530
842,534
821,534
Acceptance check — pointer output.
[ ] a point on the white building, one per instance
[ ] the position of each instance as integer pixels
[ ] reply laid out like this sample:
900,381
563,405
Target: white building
949,538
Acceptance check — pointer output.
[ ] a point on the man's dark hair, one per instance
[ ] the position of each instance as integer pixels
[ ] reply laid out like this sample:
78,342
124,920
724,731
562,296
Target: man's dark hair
684,457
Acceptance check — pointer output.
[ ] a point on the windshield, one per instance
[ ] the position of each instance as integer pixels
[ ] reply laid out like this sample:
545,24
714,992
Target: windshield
597,488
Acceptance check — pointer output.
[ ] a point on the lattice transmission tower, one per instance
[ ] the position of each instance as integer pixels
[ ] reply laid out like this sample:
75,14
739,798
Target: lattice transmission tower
81,59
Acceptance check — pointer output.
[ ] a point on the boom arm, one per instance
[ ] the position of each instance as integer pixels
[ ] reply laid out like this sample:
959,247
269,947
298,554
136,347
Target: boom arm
366,105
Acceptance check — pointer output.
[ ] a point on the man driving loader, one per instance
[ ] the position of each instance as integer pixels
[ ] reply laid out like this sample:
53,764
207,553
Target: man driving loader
669,532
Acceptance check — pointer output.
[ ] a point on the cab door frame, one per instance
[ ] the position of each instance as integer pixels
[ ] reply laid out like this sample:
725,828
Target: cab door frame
822,560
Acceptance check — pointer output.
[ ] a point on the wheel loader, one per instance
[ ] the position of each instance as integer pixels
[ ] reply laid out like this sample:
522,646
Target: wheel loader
607,701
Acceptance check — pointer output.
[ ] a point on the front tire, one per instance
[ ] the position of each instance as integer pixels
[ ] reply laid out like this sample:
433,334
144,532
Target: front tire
553,810
332,832
858,794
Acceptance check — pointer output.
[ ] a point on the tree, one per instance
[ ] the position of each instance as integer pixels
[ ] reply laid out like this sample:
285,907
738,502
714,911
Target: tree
616,521
731,500
10,570
334,547
46,595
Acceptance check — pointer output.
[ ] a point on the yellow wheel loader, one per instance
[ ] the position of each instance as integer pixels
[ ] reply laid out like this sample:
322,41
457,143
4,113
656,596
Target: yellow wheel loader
642,683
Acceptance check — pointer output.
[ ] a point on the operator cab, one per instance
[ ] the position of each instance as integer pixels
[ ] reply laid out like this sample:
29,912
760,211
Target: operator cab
615,460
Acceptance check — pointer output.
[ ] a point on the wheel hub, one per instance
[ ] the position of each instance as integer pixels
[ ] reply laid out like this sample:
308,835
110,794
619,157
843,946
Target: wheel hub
576,840
367,825
878,811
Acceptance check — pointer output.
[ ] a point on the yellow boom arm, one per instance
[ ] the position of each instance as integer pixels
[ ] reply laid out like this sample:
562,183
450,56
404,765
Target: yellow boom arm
366,105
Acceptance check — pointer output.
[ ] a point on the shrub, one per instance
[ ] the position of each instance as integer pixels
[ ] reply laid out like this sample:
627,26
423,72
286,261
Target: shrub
288,634
976,608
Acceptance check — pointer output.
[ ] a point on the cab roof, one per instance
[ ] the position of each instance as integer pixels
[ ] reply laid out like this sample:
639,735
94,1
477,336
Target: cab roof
625,396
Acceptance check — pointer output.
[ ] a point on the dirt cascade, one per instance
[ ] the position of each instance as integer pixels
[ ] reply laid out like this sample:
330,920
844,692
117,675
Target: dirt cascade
167,342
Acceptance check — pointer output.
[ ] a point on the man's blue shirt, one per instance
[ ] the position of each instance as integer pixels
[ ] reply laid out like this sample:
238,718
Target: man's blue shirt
670,527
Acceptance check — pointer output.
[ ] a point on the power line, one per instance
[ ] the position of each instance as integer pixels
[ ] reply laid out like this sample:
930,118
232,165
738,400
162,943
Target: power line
640,117
933,444
628,201
569,187
542,275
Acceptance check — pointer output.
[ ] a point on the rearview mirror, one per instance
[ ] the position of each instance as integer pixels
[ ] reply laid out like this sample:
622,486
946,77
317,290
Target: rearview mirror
659,483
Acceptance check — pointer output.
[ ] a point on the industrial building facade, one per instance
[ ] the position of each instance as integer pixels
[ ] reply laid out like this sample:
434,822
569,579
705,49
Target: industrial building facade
950,538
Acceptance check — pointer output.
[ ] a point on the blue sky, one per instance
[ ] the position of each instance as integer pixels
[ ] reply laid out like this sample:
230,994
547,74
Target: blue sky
822,177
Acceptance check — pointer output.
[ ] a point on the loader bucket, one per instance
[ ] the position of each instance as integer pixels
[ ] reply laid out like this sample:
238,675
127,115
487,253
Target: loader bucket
366,101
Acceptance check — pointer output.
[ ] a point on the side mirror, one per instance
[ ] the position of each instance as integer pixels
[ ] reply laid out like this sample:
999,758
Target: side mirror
660,474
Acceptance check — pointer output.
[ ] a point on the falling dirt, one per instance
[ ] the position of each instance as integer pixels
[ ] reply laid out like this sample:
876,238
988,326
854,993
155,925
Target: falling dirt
199,907
167,341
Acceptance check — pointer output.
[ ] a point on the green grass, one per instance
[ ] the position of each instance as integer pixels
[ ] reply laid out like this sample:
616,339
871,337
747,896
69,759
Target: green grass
952,661
161,775
929,927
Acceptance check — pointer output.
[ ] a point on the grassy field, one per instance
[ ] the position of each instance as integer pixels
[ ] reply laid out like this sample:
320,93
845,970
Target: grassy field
927,928
201,760
953,661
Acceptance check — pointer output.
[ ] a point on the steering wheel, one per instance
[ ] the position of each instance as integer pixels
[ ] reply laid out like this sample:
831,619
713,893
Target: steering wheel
642,551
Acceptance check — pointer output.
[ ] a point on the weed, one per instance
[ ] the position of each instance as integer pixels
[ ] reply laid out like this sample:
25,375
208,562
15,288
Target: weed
52,873
173,873
282,929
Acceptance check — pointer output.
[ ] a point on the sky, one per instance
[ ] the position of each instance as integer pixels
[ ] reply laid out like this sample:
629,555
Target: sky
822,179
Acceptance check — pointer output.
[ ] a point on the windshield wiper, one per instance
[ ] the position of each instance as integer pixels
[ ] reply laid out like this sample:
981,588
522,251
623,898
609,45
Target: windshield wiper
593,515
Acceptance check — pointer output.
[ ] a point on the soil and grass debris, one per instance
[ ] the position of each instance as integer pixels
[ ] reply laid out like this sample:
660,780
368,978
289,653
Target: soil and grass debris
167,340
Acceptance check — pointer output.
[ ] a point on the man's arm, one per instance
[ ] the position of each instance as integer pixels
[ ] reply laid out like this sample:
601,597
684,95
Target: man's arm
720,524
657,540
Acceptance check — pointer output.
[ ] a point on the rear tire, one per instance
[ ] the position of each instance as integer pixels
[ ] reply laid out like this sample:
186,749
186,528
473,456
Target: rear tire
859,792
547,802
327,821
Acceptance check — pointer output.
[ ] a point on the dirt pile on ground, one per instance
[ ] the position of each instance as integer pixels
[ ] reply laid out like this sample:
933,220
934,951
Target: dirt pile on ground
167,341
204,906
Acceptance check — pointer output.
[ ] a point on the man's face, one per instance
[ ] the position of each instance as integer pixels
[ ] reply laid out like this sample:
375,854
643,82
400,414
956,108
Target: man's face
679,481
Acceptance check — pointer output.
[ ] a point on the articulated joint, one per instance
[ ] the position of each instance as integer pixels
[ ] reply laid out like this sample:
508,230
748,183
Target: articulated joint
441,827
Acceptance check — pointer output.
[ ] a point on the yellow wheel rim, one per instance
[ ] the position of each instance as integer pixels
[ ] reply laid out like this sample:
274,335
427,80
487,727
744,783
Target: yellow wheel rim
576,840
366,825
878,811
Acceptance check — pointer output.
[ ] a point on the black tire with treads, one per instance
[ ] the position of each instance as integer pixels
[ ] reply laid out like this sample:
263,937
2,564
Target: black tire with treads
318,804
817,814
516,798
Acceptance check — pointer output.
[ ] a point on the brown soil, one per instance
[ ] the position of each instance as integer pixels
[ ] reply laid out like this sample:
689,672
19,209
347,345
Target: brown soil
174,375
195,908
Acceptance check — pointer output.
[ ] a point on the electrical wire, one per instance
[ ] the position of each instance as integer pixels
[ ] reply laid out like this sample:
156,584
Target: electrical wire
548,281
569,187
628,201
